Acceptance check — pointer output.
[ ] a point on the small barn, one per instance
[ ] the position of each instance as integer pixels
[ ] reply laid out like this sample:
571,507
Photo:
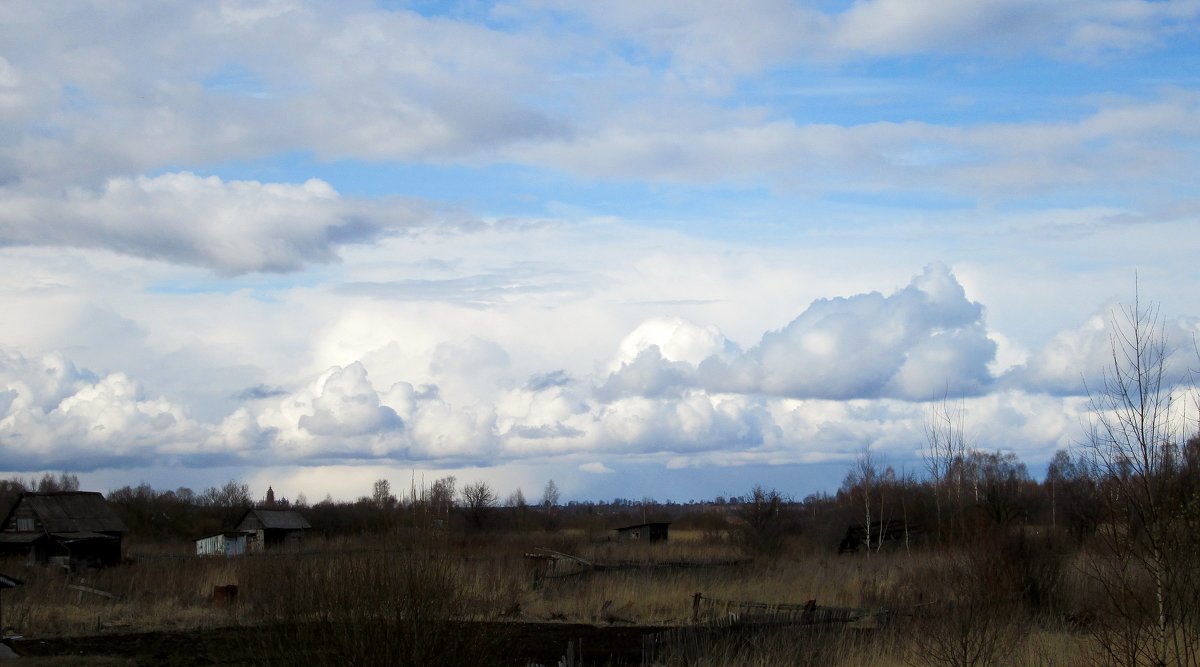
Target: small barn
644,532
228,543
270,529
892,532
70,528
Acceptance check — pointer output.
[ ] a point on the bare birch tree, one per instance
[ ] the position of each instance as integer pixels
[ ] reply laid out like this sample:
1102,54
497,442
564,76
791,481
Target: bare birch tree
1135,439
945,451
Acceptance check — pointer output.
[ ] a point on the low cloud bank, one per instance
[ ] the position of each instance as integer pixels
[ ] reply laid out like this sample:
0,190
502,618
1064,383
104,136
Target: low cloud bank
845,371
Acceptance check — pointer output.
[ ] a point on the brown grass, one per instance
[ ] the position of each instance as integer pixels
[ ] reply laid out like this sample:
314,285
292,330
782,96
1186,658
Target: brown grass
378,583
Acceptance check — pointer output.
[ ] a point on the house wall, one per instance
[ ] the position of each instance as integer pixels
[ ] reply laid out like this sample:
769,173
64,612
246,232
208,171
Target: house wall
92,553
23,519
235,545
210,546
221,545
643,534
286,539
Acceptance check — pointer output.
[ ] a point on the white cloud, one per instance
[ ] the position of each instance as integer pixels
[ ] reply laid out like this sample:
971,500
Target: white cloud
1076,360
232,227
925,340
1132,147
119,90
720,40
348,406
53,415
596,468
676,339
358,82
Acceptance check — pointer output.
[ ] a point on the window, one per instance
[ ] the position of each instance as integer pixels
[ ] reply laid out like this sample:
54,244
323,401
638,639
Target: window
26,524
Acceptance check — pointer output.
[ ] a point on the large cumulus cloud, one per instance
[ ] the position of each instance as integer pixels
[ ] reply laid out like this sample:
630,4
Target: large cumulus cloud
922,341
845,371
53,415
1077,360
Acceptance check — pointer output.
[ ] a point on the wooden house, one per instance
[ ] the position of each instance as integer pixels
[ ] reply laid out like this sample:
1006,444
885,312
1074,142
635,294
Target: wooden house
269,529
644,532
70,528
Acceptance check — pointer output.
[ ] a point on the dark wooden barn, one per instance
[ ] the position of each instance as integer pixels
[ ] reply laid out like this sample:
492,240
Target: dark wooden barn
644,532
70,528
269,529
893,532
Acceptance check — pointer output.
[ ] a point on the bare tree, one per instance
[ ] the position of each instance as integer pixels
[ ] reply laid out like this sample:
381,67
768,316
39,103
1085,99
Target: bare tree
550,499
381,494
945,452
550,495
863,478
478,499
441,496
761,529
520,508
63,482
232,495
1136,437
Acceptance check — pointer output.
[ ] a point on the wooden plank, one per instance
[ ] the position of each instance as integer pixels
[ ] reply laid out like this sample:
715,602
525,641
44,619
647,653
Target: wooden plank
94,591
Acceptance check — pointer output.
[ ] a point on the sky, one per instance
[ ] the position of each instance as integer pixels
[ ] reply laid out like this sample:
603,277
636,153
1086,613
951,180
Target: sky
645,249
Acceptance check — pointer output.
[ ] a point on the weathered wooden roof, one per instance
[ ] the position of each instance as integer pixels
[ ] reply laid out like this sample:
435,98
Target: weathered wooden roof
226,533
644,525
21,538
273,520
70,512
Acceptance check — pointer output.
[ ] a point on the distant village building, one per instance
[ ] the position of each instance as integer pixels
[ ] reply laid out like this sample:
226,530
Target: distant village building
257,530
273,528
643,532
892,532
69,528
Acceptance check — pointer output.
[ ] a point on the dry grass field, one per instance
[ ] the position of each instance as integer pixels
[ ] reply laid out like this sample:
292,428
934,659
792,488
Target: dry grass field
406,601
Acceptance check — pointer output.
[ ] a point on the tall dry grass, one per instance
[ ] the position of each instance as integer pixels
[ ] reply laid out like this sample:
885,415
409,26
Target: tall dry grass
397,600
370,608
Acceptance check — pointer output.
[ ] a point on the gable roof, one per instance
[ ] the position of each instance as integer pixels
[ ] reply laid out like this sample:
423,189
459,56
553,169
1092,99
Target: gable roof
276,519
71,512
651,524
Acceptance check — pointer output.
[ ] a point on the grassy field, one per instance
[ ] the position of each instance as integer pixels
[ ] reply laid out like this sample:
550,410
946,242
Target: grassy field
404,601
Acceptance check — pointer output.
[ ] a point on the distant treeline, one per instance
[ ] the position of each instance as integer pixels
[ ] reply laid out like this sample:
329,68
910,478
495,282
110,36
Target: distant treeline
953,499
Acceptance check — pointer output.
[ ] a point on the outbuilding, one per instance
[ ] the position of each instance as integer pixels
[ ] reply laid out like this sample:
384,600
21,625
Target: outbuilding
644,532
228,543
69,528
269,529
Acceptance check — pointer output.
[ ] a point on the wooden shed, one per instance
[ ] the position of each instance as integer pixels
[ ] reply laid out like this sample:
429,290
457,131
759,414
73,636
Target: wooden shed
70,528
228,543
270,529
644,532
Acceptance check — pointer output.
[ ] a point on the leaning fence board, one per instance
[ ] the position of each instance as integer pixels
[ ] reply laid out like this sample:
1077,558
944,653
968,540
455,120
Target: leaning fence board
94,591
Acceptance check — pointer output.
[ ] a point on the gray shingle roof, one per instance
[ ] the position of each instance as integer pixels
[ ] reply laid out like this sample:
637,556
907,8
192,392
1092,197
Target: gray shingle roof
73,512
275,520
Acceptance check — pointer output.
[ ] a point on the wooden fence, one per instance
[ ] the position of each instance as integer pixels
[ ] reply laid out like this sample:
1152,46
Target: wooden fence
713,617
